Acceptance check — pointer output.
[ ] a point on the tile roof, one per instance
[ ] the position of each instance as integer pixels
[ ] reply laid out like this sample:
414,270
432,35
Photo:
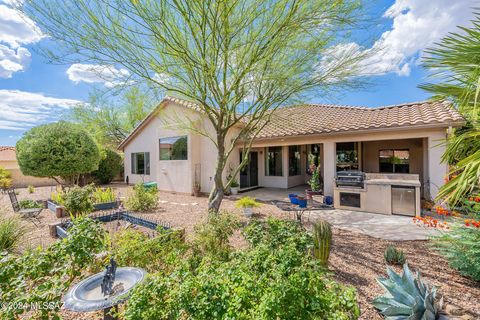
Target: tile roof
324,118
7,153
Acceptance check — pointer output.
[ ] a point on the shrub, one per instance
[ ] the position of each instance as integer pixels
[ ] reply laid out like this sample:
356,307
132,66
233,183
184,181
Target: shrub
315,181
394,256
256,283
58,197
322,238
58,149
31,189
78,200
29,204
247,202
11,232
44,275
103,195
407,297
142,199
212,236
5,178
110,165
461,247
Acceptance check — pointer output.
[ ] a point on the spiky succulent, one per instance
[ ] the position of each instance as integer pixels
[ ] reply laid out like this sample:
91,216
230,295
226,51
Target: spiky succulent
407,297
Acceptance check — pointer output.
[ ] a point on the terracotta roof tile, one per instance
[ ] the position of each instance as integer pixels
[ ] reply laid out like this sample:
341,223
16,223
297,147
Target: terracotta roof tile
325,118
7,153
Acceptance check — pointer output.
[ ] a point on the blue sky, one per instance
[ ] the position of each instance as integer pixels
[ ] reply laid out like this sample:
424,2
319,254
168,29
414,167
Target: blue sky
34,92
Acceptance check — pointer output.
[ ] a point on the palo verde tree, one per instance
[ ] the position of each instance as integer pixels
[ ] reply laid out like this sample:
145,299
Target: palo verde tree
454,64
55,150
238,60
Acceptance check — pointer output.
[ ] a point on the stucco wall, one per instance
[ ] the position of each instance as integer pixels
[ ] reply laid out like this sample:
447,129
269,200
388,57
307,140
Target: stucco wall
20,180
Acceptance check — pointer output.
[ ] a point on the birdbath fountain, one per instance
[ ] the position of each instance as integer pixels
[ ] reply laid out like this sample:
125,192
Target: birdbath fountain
104,290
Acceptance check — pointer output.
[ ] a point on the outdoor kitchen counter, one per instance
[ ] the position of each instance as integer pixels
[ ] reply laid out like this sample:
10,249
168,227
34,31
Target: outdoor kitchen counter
376,196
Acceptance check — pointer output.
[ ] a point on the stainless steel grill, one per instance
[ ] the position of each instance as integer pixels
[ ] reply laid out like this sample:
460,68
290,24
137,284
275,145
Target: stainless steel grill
350,179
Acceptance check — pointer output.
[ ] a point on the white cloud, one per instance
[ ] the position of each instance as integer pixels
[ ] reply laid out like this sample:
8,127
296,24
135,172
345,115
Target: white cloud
15,30
21,110
417,24
94,73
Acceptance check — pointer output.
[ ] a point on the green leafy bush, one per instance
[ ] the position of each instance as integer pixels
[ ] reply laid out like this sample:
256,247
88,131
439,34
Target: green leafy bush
78,200
394,256
11,232
59,149
256,283
110,165
246,202
461,247
407,297
58,197
103,195
5,178
44,275
142,199
29,204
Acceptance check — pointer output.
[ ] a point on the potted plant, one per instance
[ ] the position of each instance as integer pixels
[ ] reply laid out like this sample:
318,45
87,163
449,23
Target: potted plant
196,189
234,187
315,182
247,203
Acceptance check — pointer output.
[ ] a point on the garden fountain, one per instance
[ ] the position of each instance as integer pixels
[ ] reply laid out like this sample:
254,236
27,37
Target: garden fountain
104,290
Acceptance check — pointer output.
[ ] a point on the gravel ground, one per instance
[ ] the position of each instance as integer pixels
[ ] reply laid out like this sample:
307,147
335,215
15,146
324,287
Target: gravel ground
356,259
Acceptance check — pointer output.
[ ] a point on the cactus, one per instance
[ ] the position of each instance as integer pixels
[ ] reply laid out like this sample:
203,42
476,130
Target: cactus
322,238
394,256
407,297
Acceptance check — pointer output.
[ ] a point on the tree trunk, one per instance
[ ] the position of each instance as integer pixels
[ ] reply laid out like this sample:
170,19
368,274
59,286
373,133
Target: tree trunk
217,193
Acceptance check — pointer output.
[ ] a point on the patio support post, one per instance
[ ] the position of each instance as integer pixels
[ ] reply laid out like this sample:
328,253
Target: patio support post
436,169
329,160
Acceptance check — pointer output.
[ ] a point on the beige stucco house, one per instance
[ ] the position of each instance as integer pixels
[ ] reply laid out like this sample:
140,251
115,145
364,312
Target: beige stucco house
401,142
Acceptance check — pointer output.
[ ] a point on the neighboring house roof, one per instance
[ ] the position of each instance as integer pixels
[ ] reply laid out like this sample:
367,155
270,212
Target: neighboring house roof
7,153
309,119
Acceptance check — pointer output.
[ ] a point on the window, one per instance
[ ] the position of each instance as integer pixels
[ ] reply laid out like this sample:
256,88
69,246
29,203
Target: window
313,157
347,156
394,161
173,148
141,163
273,161
294,160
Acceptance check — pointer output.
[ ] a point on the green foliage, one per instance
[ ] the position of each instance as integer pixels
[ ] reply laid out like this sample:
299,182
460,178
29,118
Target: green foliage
78,200
31,189
267,281
322,239
103,195
315,182
29,204
5,178
142,199
461,247
44,275
58,149
58,197
110,165
246,202
406,297
212,236
394,256
11,232
450,61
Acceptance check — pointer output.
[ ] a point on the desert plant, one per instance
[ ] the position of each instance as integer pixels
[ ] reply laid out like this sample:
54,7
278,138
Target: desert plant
315,181
246,202
407,297
31,189
78,200
103,195
58,197
5,178
11,232
142,199
110,165
322,238
461,247
29,204
394,256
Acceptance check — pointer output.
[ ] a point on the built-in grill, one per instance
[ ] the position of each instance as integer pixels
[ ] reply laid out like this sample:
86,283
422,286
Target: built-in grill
350,179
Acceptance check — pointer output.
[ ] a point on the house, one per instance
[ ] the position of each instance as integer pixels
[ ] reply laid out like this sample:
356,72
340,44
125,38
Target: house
397,140
8,160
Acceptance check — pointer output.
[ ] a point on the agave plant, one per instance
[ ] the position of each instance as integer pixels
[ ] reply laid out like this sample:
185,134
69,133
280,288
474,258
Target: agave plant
407,297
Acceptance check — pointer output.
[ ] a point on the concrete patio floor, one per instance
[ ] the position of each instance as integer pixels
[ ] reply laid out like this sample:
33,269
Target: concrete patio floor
387,227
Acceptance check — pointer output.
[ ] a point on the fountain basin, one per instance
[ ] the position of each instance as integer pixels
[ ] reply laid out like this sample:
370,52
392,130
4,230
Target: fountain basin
87,295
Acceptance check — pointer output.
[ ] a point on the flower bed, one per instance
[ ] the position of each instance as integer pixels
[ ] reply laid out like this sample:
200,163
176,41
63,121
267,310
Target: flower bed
60,211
